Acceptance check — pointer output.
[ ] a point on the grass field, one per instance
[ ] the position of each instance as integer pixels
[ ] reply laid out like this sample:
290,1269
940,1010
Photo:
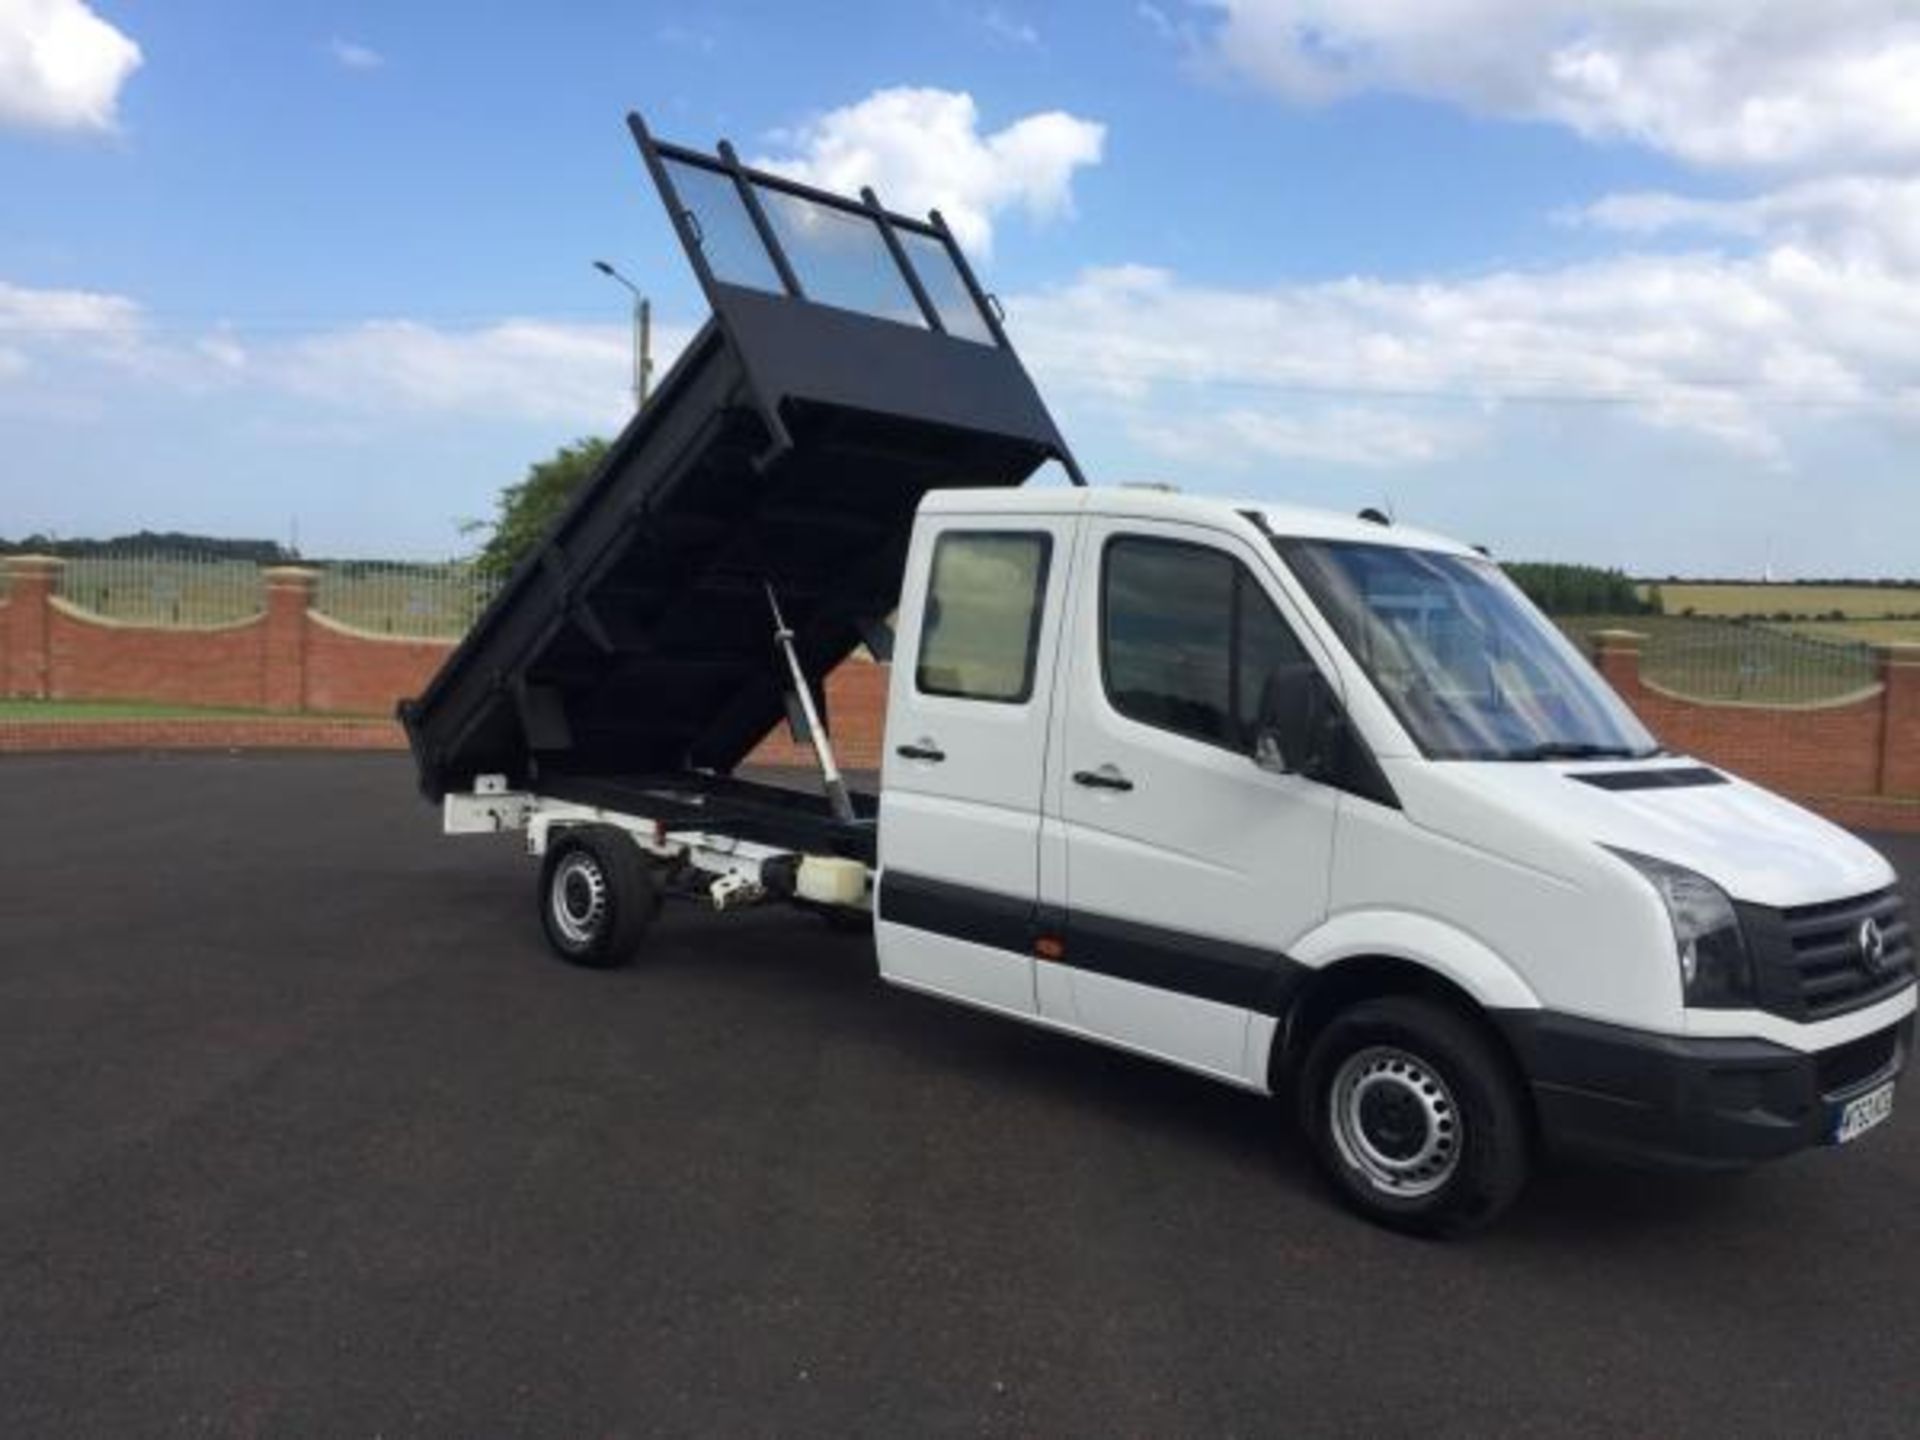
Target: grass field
1872,632
1763,601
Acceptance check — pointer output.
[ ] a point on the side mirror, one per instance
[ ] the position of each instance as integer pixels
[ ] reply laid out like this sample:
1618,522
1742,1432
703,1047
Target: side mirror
1298,730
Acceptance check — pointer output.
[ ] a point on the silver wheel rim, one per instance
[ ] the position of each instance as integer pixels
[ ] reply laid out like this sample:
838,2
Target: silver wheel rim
578,897
1395,1121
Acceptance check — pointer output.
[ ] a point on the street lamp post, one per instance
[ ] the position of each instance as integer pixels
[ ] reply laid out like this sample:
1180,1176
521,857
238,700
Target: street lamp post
642,334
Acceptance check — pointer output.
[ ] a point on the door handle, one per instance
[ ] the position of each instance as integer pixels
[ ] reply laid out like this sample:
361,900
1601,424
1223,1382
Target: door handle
1107,777
922,749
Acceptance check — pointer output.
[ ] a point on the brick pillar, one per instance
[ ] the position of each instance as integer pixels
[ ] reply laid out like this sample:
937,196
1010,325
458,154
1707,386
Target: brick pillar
289,597
1900,732
31,582
1617,653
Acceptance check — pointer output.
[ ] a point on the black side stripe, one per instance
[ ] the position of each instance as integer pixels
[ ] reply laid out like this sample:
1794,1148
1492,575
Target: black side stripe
1222,971
957,911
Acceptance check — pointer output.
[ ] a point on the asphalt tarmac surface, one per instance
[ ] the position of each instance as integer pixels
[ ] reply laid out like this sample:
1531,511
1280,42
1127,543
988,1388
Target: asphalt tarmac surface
303,1133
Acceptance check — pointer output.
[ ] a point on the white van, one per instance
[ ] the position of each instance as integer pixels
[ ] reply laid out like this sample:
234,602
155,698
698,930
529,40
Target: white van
1316,806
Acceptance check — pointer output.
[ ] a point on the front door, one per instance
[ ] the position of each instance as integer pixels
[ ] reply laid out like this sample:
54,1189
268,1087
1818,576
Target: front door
1189,868
967,718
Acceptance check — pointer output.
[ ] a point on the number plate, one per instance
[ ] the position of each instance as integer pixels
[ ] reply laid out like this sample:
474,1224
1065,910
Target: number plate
1862,1113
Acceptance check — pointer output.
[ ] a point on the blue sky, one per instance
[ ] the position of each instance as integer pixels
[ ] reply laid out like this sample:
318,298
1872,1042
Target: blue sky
1633,284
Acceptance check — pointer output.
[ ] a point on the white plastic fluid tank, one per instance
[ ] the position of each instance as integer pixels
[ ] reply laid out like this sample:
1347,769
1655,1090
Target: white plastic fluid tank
831,880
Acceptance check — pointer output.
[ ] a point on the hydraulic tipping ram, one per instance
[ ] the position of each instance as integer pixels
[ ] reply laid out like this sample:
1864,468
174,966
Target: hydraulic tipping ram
836,787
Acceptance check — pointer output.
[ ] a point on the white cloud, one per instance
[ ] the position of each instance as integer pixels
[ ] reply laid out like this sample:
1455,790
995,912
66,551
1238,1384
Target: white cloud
1157,20
38,324
57,330
61,66
223,350
1715,82
38,314
529,368
1009,28
354,56
1735,350
923,150
523,369
1360,436
1872,221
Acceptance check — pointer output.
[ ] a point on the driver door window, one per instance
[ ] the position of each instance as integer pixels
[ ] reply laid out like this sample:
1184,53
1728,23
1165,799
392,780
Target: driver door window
1188,640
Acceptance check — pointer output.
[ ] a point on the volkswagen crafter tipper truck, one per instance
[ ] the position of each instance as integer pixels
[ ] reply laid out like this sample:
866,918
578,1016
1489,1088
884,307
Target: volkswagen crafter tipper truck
1315,805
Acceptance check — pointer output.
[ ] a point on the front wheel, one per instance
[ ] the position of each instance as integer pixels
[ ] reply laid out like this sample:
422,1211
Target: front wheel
1414,1116
597,896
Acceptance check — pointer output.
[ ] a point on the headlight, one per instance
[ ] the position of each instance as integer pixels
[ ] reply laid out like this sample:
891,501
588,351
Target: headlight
1716,972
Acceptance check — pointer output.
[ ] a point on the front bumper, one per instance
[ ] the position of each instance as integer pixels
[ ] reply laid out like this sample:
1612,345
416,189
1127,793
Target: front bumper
1690,1103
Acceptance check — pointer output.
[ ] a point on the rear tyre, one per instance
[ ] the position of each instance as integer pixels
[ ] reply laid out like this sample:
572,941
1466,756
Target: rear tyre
597,896
1414,1117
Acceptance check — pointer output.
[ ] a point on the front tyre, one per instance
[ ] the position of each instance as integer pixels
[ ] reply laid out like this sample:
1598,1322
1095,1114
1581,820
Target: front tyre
597,896
1414,1116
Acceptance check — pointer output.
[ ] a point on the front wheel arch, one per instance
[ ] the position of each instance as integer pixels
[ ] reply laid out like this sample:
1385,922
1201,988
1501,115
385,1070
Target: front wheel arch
1350,982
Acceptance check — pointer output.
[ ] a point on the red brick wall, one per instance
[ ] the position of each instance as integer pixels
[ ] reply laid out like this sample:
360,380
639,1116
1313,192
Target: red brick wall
1858,761
1900,750
314,664
26,621
365,674
241,732
89,659
1828,750
856,720
283,655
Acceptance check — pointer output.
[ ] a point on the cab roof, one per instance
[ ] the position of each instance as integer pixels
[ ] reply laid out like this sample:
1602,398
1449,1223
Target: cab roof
1152,503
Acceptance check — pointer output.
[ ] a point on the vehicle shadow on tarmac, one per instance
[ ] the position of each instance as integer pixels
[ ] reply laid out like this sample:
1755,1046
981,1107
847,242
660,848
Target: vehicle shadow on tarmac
801,961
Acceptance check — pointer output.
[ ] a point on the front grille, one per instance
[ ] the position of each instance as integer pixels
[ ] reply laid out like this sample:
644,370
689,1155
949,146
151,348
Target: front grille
1811,964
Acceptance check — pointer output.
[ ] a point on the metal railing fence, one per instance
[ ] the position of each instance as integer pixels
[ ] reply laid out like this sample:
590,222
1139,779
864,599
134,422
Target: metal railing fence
401,598
1741,660
397,597
163,590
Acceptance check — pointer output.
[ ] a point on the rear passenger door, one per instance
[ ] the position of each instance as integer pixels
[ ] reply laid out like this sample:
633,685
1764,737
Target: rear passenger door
1189,868
967,718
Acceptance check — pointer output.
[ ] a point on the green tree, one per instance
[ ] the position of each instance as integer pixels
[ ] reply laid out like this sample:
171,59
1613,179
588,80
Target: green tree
1579,589
525,510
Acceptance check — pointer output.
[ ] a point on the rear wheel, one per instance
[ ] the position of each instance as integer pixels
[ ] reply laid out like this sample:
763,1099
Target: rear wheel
597,896
1414,1116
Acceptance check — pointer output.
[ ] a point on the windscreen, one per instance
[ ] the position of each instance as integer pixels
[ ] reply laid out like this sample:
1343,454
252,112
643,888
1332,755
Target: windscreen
1467,663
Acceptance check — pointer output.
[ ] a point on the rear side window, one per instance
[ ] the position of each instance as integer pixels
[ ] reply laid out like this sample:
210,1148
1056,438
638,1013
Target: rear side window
1188,640
982,625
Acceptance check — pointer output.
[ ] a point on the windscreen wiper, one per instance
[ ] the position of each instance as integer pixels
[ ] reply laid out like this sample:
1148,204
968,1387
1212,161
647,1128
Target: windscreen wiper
1580,750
